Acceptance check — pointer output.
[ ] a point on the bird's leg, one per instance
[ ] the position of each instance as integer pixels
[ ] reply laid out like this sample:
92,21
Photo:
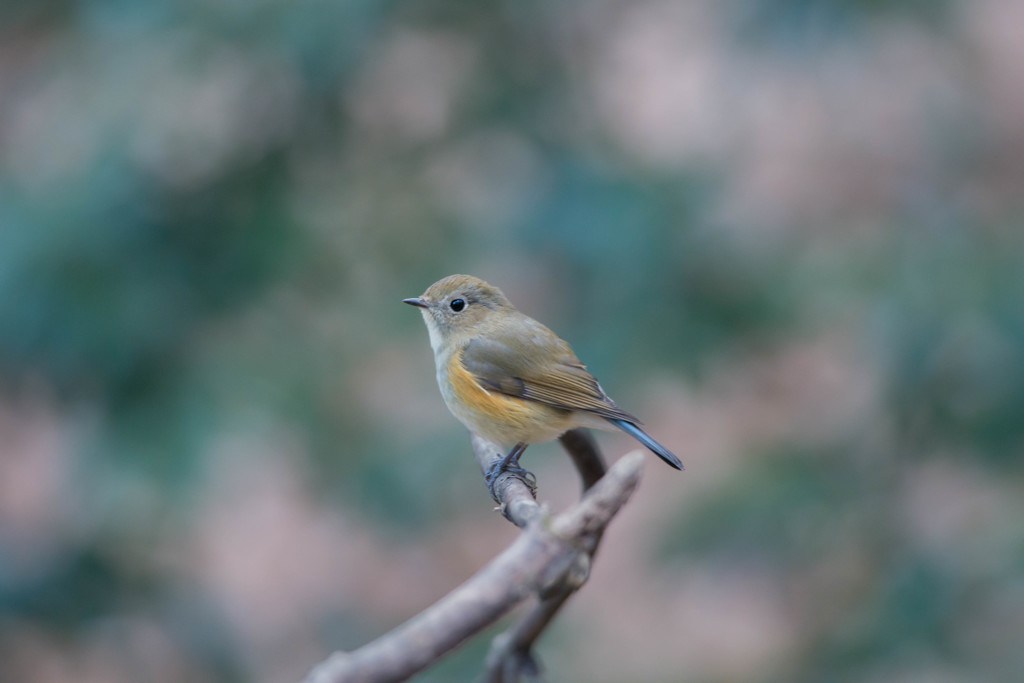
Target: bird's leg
509,463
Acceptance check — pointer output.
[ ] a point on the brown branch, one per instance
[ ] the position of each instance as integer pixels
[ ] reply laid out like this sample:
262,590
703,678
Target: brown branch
582,449
511,658
551,558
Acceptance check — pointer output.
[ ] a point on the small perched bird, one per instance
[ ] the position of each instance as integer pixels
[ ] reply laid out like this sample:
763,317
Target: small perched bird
510,379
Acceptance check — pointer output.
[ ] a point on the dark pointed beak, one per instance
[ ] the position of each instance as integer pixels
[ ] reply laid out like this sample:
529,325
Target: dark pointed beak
415,302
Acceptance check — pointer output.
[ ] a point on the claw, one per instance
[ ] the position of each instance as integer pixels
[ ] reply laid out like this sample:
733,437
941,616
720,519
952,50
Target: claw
510,464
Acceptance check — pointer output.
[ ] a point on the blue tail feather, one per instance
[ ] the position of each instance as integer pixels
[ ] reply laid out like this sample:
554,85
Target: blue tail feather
644,438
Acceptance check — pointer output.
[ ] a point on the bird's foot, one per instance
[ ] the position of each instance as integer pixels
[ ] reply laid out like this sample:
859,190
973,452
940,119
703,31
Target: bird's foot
501,467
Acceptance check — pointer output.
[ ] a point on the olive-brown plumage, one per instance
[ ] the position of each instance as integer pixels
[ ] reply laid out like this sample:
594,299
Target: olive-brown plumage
509,378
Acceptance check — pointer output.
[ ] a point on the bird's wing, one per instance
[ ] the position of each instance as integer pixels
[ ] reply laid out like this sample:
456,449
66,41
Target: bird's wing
509,364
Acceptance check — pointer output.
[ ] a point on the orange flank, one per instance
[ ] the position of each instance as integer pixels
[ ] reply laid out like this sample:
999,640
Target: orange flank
492,414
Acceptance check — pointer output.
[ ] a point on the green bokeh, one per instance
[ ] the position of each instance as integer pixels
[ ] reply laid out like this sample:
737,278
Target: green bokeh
164,286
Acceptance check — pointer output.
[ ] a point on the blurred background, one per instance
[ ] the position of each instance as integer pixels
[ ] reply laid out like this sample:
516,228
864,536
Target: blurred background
787,234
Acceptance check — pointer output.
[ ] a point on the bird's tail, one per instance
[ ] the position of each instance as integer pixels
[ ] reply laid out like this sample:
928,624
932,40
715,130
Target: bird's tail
644,438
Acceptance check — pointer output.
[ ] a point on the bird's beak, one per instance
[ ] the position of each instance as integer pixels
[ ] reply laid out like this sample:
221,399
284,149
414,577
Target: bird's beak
416,302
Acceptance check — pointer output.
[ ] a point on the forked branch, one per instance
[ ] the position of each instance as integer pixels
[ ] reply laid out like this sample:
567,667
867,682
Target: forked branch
550,558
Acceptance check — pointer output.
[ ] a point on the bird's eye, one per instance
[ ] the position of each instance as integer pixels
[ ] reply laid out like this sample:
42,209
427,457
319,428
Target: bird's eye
457,304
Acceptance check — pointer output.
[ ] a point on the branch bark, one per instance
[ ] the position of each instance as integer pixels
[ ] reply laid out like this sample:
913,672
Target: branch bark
511,655
551,558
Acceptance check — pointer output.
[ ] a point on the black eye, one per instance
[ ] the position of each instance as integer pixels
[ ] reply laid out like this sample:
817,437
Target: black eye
457,304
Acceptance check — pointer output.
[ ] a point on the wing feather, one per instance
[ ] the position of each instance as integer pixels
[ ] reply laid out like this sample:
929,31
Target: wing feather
509,366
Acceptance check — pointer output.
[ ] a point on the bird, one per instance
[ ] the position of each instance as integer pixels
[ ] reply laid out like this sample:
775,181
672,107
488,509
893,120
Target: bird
511,380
